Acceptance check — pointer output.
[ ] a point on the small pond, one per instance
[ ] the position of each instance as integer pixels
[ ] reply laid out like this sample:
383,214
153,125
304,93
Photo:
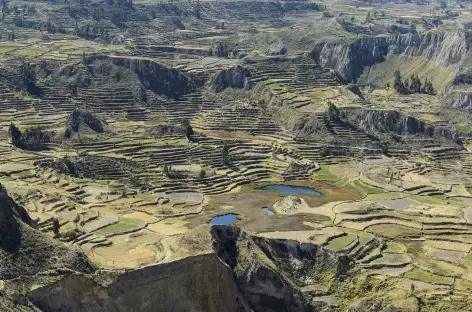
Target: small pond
290,189
267,211
226,219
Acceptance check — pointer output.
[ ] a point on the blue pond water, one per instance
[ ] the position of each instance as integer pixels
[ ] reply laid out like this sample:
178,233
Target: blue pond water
267,211
290,189
226,219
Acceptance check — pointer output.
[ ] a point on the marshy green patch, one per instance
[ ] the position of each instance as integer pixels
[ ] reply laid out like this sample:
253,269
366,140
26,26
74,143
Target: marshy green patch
393,247
122,226
367,188
467,260
429,277
324,174
29,52
341,242
385,196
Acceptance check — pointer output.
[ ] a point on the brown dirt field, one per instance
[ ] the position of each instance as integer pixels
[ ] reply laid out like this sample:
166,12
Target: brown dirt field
247,204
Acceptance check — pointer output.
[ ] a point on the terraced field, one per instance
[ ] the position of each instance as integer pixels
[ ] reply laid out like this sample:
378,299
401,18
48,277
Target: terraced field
141,122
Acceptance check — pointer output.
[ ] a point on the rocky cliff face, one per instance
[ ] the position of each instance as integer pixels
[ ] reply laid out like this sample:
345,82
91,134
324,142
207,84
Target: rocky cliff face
459,93
268,272
11,215
379,122
234,77
458,98
463,73
244,273
199,283
349,59
446,49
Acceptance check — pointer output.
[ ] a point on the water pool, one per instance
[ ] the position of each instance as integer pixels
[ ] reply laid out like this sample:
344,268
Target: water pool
290,189
226,219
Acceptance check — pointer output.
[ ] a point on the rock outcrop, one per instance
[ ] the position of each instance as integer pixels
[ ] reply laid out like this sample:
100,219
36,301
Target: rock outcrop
355,91
289,204
234,77
153,76
277,48
220,49
458,98
82,120
380,122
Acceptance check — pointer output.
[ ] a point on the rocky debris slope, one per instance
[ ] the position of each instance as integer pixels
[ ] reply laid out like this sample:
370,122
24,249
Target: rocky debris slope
458,98
277,48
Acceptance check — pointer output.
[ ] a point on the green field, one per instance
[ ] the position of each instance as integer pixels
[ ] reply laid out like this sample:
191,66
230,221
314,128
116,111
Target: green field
324,174
367,188
341,242
395,248
123,225
429,278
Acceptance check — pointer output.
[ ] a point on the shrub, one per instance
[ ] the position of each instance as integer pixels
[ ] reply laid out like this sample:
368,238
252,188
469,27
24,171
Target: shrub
15,135
202,175
71,234
65,165
428,87
28,75
225,155
33,138
119,15
187,128
398,85
166,170
333,112
412,84
56,227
